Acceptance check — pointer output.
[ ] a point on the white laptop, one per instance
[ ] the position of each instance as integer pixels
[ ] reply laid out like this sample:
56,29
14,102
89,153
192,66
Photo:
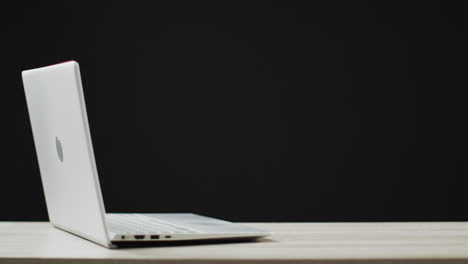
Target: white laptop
62,138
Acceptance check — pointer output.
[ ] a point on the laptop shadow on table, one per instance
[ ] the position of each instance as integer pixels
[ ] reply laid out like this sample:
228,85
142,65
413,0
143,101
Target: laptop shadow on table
191,242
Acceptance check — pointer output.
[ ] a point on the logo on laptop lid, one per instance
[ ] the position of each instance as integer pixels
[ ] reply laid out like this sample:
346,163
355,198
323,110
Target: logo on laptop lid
59,149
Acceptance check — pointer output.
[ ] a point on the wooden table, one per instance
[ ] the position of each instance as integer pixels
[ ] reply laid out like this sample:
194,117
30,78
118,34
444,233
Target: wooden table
445,242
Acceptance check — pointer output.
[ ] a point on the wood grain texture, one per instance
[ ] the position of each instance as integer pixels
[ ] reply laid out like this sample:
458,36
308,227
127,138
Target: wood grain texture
444,242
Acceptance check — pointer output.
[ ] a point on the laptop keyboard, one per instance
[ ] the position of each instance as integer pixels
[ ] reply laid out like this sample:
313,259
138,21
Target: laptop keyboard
141,224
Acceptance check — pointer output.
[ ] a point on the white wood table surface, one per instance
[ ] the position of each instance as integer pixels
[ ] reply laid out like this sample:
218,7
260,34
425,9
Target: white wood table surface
431,242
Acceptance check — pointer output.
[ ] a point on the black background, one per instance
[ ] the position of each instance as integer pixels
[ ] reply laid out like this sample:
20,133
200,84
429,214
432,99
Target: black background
263,111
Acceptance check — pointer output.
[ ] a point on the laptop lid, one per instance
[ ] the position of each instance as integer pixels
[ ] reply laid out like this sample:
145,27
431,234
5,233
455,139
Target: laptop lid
64,150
